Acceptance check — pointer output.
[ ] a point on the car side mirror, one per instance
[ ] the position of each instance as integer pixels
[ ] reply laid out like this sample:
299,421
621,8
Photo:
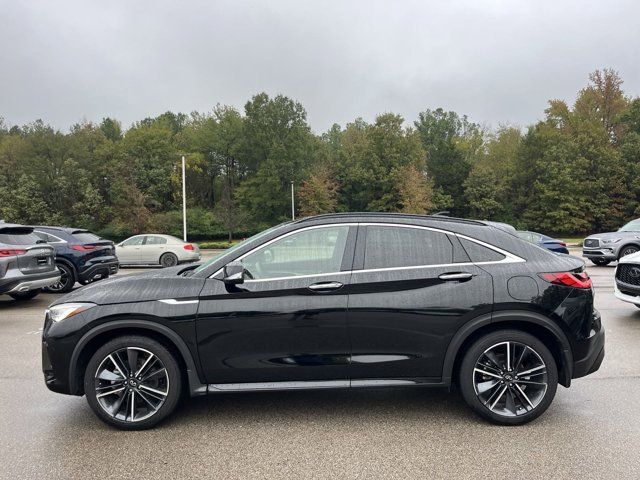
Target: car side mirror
233,273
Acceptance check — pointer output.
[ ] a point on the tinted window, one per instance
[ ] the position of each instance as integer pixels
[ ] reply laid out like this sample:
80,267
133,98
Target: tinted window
18,238
85,237
42,236
387,247
309,252
525,236
132,241
155,241
480,253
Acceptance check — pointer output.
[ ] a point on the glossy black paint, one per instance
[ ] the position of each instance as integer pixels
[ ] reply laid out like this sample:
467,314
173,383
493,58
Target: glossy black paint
401,326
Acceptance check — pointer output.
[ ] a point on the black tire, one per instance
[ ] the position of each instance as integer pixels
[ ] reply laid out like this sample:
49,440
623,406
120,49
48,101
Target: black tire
168,260
67,280
601,262
28,295
628,250
100,362
525,408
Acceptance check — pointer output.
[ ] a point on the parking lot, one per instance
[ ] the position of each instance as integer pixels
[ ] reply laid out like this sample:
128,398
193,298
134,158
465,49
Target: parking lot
592,430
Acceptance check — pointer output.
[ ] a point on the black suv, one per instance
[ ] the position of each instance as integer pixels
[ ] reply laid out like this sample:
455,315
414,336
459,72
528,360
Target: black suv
81,256
334,301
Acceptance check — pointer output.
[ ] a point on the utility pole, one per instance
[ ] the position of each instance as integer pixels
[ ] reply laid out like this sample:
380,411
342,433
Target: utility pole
293,204
184,201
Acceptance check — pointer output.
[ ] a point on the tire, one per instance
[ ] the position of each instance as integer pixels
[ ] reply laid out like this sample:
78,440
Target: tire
601,262
153,399
28,295
628,250
511,402
67,280
168,260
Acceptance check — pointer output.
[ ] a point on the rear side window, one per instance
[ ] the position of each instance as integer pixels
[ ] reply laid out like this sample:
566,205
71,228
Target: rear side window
85,237
480,253
155,240
17,237
389,246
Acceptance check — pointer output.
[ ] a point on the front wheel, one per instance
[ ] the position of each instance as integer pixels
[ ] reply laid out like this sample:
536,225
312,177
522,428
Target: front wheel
132,382
628,251
28,295
508,377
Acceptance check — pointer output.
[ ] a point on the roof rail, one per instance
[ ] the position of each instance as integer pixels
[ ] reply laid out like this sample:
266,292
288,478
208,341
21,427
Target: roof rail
437,217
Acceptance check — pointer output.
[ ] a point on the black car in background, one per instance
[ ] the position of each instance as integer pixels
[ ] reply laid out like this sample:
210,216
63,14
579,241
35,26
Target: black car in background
544,241
334,301
26,262
81,256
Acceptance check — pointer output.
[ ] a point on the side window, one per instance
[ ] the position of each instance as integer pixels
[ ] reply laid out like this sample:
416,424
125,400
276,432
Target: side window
42,236
152,240
389,246
309,252
536,237
480,253
133,241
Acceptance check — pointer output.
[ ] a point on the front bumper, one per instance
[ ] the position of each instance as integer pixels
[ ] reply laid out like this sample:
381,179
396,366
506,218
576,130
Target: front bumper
30,282
626,293
606,253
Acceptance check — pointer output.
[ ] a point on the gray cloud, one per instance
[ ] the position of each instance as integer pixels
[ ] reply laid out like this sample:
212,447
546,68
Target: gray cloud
496,61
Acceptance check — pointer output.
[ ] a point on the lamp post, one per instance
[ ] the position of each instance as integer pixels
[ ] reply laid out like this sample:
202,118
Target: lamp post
293,204
184,201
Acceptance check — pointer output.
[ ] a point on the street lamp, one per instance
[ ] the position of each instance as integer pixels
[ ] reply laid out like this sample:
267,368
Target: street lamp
293,204
184,201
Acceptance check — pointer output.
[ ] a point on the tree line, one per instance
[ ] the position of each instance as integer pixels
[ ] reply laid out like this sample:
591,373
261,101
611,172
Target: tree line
575,171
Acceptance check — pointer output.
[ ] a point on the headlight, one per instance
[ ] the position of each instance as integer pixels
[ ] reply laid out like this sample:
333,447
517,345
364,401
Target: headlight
66,310
612,240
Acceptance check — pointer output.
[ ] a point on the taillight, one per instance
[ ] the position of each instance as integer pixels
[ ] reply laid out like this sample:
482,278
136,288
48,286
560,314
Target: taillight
83,248
189,246
7,252
564,244
568,279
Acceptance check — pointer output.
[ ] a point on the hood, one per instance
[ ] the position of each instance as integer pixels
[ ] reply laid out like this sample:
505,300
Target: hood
613,235
142,287
633,258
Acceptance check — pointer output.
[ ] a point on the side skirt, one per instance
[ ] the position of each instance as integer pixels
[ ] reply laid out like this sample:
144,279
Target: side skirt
323,384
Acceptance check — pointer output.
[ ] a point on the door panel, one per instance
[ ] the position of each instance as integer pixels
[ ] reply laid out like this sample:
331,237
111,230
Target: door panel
281,329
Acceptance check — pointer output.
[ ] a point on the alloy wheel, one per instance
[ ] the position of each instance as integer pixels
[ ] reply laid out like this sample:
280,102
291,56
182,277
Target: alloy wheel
62,284
131,384
628,251
510,379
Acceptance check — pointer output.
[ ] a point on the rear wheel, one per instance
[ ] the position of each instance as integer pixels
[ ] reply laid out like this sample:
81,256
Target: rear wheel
168,260
28,295
628,250
601,262
66,282
508,377
132,383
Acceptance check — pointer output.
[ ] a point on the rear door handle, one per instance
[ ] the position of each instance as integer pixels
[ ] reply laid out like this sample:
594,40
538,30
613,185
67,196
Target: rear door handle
324,286
456,277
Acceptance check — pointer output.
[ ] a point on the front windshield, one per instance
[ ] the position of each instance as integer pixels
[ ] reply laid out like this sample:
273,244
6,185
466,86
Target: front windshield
632,226
230,250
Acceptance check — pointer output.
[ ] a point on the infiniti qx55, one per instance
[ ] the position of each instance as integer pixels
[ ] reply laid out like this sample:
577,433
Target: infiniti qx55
334,301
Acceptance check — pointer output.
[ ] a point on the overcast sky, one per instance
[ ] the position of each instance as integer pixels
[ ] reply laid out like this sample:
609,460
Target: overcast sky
496,61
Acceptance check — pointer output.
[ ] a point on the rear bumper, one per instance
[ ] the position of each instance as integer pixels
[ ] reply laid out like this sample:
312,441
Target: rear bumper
591,354
98,270
29,282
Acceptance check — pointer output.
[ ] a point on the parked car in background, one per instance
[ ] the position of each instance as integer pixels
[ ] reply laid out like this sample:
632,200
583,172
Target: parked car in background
334,301
156,249
605,248
81,256
26,263
627,279
544,241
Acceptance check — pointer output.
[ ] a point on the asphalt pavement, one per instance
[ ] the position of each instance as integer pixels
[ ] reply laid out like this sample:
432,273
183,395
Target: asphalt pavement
591,431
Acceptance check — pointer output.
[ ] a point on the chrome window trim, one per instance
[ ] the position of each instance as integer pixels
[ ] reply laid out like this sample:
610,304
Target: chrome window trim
509,257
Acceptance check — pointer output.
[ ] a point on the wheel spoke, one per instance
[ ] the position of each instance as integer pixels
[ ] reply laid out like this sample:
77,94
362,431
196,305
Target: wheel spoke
146,362
132,358
109,376
534,369
110,392
509,356
510,403
487,386
524,395
149,389
120,370
529,382
498,397
133,405
489,374
161,370
517,366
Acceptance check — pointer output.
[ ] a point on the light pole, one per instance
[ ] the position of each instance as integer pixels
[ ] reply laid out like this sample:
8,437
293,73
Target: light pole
293,204
184,201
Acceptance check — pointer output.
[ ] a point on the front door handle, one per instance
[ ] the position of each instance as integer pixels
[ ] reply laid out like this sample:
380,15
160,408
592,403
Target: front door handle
325,286
456,277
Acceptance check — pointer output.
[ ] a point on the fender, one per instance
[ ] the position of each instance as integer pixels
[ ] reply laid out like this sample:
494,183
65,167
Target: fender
508,316
196,387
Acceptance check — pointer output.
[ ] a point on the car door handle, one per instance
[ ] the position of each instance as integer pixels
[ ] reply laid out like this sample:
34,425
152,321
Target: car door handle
324,286
456,277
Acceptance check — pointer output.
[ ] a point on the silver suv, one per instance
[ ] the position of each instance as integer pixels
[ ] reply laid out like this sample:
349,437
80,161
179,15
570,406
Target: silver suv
604,248
27,264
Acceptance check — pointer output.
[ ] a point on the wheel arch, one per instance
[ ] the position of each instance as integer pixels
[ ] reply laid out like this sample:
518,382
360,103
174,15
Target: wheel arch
534,323
628,244
68,263
101,334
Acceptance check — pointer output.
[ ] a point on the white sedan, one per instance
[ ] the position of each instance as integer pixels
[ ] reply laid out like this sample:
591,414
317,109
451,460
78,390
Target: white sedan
156,249
627,279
